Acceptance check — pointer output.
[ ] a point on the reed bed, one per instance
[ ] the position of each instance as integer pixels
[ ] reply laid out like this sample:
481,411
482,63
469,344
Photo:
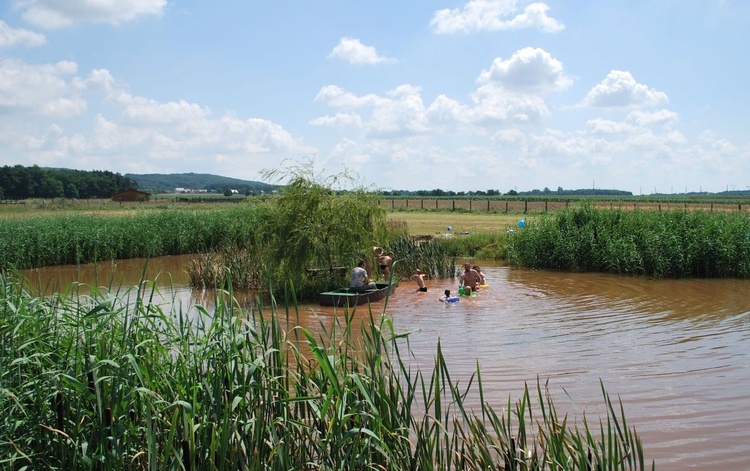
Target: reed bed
482,245
430,257
220,269
99,382
672,244
32,242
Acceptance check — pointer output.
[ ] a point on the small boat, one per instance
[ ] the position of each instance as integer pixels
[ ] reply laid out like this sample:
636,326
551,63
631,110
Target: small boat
348,297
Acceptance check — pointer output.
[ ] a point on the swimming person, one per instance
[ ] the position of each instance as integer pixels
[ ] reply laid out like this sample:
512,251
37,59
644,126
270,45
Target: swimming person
469,278
419,276
447,298
481,275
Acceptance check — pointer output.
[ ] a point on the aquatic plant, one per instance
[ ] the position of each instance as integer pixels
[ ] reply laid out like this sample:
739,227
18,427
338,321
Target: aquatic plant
429,256
237,267
82,238
657,243
117,382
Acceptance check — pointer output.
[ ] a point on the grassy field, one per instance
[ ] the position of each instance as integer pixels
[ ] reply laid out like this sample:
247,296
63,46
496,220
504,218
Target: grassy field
418,222
436,222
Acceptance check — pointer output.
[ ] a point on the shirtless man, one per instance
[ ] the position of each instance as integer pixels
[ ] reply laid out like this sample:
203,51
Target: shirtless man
384,263
469,278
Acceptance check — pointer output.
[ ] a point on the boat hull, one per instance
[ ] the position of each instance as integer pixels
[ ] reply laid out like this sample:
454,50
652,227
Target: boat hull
348,297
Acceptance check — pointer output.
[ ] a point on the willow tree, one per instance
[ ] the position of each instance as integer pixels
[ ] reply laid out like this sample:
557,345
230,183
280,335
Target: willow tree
320,222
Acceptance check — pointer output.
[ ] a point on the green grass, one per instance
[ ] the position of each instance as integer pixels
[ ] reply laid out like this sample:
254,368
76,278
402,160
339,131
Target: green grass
99,382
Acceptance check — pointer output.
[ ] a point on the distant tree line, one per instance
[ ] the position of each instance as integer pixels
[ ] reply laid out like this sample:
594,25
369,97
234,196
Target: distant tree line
19,182
545,191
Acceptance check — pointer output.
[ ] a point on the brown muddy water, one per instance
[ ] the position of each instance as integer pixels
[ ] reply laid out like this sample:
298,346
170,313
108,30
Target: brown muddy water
676,352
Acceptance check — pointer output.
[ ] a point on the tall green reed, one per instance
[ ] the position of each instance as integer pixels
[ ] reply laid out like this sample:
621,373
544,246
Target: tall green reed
430,257
83,238
115,381
662,244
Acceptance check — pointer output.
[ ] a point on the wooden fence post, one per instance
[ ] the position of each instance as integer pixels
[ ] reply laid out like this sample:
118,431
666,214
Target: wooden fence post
488,205
525,206
454,205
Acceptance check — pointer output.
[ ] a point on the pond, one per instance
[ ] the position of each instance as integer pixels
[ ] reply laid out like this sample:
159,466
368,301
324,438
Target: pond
677,352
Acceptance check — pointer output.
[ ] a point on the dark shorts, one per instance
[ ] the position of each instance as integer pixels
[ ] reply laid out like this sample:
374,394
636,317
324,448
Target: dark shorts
424,290
383,267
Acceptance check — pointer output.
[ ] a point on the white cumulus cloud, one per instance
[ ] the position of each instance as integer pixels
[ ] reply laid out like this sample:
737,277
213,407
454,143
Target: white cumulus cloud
621,90
45,119
339,119
41,90
528,69
337,97
649,118
353,51
478,15
53,14
10,37
493,103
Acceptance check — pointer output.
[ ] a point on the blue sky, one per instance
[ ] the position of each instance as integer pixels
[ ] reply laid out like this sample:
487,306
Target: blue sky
639,95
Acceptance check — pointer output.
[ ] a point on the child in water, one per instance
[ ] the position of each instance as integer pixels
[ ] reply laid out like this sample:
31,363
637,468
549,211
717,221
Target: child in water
447,298
481,275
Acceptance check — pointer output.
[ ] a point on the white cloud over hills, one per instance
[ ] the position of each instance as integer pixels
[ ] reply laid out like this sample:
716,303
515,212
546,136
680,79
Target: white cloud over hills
466,95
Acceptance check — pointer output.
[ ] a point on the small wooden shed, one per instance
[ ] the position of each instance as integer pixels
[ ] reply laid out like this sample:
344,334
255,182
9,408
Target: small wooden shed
131,195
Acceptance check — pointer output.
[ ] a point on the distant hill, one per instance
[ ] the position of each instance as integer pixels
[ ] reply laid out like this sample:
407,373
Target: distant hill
162,183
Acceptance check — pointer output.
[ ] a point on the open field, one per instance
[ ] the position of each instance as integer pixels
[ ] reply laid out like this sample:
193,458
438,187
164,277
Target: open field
419,222
436,222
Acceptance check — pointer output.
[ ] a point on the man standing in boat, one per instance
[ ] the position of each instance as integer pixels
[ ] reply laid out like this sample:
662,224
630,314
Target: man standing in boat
360,281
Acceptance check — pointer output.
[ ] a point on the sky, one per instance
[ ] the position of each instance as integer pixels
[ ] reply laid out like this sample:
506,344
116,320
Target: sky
647,96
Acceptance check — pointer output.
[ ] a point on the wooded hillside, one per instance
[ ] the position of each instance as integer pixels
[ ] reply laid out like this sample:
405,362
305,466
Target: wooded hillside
19,182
